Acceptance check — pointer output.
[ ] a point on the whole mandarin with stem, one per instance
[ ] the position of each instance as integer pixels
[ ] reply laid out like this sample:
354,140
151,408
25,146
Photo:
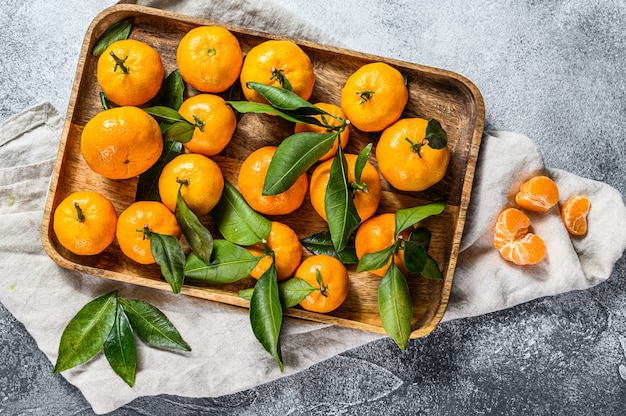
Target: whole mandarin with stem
137,222
251,179
287,252
406,159
366,194
374,96
330,279
199,179
215,123
121,142
209,58
84,223
130,72
280,63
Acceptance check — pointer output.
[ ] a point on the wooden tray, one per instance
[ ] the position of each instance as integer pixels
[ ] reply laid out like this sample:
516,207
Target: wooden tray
434,93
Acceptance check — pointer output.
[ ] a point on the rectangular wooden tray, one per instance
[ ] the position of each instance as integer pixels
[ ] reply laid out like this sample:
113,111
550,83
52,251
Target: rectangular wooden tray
434,93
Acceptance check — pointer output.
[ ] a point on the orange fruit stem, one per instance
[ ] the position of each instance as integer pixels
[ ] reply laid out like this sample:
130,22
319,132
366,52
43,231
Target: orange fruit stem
121,63
79,213
365,96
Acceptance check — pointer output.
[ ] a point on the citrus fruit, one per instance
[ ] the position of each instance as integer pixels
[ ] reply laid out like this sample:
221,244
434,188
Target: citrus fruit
135,224
366,194
333,110
374,96
130,72
199,179
215,123
330,278
539,194
511,237
209,58
121,142
406,161
84,223
280,63
284,242
574,214
252,177
376,234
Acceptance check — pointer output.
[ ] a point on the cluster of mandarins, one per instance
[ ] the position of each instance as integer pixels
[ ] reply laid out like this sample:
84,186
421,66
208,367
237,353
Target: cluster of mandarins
124,141
512,237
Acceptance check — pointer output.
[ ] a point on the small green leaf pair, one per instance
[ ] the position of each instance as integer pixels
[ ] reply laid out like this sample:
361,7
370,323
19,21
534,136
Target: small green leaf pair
168,251
394,298
110,322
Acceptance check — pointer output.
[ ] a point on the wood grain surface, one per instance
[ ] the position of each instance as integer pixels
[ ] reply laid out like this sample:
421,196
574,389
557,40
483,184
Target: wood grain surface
433,93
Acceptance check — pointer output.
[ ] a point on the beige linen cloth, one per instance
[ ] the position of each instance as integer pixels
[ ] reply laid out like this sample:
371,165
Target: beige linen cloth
226,357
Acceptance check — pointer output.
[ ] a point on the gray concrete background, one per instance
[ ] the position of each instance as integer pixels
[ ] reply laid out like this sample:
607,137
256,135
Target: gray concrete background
552,70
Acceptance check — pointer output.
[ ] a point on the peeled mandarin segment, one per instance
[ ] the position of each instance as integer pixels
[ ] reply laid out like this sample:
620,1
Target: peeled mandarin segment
539,194
513,241
574,214
529,250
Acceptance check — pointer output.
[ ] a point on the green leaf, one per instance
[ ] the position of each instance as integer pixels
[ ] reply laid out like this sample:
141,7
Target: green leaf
285,100
246,293
113,33
373,261
431,270
436,136
293,291
421,235
321,243
414,256
361,160
171,92
266,314
165,114
168,254
242,107
152,326
395,306
199,238
229,263
120,348
293,157
407,217
148,183
86,332
237,221
180,131
341,213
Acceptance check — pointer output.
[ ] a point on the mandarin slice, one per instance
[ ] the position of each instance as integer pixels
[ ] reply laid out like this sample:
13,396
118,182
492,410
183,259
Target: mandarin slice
539,193
574,214
513,240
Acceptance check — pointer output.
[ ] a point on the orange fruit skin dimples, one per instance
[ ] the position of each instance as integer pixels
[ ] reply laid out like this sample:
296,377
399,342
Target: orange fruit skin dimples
513,240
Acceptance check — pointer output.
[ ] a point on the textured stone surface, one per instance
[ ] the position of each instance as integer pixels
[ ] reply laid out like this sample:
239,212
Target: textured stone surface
551,70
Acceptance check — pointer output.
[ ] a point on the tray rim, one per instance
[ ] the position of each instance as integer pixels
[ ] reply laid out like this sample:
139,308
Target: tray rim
190,290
